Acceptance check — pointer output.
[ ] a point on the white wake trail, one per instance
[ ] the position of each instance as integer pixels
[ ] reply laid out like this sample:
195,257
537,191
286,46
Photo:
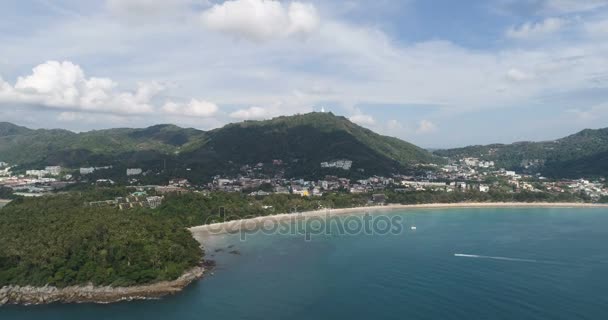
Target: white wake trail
475,256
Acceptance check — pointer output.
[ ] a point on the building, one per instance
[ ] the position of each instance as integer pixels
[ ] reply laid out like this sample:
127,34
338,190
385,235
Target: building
85,171
316,192
36,173
179,182
134,172
484,188
53,170
169,189
301,191
281,190
339,164
154,201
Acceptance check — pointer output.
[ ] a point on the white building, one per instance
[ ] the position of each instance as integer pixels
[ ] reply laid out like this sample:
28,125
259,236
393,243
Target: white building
36,173
85,171
484,188
53,170
154,201
340,164
134,171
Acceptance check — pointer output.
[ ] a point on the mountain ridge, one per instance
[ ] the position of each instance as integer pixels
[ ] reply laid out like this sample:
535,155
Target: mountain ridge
303,141
575,155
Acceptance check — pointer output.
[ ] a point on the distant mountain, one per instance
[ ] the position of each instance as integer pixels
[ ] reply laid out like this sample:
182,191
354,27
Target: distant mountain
9,129
302,142
25,146
583,154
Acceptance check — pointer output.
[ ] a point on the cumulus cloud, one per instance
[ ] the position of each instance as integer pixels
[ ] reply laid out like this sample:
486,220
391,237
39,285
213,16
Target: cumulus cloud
261,20
251,113
64,85
195,108
363,119
538,29
426,126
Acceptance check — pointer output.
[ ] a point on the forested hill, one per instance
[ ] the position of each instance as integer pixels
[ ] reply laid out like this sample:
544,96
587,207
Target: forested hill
19,145
57,241
300,141
583,154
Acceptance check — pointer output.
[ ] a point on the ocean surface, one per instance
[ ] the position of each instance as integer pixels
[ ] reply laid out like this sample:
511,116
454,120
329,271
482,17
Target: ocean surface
458,264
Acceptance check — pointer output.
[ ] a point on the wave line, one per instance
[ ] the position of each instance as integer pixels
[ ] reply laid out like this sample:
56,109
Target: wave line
475,256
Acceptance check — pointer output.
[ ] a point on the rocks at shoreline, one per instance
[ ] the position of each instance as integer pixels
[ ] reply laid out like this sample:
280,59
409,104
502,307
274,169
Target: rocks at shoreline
28,295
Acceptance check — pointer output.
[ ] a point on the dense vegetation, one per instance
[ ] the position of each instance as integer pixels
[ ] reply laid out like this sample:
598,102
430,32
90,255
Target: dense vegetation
57,241
20,145
6,193
583,154
301,141
197,209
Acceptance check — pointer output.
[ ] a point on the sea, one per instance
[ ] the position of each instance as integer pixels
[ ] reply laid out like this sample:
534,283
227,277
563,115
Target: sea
478,263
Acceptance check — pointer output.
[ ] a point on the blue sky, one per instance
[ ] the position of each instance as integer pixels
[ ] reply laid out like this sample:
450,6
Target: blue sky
436,73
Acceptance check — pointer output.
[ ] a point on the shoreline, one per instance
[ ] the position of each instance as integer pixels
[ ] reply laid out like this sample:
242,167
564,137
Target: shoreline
204,231
30,295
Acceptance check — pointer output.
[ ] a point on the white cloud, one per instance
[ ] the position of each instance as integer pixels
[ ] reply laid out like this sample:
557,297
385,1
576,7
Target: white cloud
261,20
69,116
363,119
251,113
195,108
571,6
64,85
534,30
141,9
394,125
546,7
595,113
426,126
517,75
597,28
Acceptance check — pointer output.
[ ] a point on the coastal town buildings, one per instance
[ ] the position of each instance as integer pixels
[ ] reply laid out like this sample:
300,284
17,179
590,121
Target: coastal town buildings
134,171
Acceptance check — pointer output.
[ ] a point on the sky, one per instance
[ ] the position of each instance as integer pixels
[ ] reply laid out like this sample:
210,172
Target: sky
437,73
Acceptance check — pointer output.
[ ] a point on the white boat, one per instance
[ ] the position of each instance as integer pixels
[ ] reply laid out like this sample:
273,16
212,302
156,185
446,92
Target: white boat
413,227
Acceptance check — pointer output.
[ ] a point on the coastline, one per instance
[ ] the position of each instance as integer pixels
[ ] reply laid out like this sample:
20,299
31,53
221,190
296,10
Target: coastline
29,295
204,231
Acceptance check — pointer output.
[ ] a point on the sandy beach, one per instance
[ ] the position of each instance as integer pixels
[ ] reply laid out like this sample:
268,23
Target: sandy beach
204,231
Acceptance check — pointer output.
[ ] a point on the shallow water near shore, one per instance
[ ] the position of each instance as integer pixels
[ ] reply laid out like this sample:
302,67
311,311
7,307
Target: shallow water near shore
465,263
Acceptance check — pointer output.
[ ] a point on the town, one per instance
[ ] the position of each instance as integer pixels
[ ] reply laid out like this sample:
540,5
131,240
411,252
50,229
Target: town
462,175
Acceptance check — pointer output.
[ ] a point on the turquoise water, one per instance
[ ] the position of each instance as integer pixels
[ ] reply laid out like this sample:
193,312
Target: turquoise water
514,264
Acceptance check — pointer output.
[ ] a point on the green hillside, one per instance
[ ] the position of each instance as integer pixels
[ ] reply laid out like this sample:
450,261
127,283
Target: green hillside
302,142
578,155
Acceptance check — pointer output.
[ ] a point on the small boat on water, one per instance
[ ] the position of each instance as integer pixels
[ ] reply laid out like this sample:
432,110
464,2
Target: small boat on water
413,228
